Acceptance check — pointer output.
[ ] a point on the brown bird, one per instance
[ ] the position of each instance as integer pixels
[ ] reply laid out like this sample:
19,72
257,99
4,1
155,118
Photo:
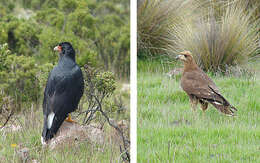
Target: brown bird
200,88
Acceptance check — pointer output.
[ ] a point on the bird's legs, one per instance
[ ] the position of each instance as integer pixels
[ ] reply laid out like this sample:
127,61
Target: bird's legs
68,119
194,102
204,106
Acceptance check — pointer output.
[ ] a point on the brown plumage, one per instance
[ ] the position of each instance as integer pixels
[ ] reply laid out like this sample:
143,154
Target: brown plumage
200,88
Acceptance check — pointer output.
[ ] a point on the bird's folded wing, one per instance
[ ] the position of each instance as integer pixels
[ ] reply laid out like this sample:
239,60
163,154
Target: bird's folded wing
197,83
63,92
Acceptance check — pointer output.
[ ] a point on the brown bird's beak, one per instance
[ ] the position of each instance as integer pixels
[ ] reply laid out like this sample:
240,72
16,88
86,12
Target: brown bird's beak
181,57
57,48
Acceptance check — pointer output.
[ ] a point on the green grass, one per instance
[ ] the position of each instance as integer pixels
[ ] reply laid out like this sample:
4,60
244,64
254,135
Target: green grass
169,131
29,136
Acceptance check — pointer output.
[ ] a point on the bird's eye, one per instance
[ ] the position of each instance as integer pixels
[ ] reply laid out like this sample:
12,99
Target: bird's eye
185,56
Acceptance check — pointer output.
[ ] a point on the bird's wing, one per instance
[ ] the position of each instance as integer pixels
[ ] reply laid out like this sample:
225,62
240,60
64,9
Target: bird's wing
62,95
49,91
200,85
197,83
66,93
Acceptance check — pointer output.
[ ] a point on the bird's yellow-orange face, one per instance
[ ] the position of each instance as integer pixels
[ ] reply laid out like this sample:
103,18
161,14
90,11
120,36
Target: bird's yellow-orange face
185,56
58,48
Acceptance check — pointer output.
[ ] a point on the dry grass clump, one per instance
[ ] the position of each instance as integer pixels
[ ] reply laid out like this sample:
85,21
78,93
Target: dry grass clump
154,18
220,33
219,42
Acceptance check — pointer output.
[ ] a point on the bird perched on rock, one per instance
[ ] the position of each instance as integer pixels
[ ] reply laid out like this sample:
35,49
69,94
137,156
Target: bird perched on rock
63,91
200,88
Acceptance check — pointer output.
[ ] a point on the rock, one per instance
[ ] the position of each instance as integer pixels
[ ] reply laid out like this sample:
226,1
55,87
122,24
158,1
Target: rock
174,72
95,134
125,88
71,132
123,125
23,154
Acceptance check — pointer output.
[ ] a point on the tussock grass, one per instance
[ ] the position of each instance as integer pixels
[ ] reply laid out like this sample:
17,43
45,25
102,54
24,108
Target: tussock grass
169,131
154,18
218,42
220,33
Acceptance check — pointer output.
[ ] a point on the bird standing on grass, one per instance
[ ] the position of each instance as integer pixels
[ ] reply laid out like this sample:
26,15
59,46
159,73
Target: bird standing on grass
200,88
63,91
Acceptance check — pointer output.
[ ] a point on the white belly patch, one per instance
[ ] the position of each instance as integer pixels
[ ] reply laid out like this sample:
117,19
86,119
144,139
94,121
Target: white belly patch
50,119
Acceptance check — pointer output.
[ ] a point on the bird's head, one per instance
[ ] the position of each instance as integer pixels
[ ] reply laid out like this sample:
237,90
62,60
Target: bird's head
65,49
185,56
188,60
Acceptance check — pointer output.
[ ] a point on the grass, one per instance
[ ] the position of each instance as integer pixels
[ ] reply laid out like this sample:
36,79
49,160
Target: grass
219,33
169,131
155,19
220,42
31,122
29,137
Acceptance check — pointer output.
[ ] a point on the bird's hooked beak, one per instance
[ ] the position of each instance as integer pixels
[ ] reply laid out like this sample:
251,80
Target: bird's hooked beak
58,48
181,57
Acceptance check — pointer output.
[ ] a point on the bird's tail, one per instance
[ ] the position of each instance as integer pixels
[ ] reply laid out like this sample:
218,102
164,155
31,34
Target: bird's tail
228,110
223,106
49,133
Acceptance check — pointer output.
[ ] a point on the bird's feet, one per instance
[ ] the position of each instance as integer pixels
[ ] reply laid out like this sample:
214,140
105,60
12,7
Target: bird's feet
68,119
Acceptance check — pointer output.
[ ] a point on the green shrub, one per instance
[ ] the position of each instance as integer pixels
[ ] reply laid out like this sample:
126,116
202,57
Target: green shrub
81,23
99,86
215,44
98,83
112,41
20,35
51,17
18,78
98,30
67,6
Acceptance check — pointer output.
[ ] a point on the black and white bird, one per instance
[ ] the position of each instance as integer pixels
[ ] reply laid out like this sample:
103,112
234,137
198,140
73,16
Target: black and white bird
63,91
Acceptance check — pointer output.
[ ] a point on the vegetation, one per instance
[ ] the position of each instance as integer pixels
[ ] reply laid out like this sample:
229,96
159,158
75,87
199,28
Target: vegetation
223,37
24,129
169,131
154,21
28,136
100,86
218,33
98,30
29,30
216,42
19,78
